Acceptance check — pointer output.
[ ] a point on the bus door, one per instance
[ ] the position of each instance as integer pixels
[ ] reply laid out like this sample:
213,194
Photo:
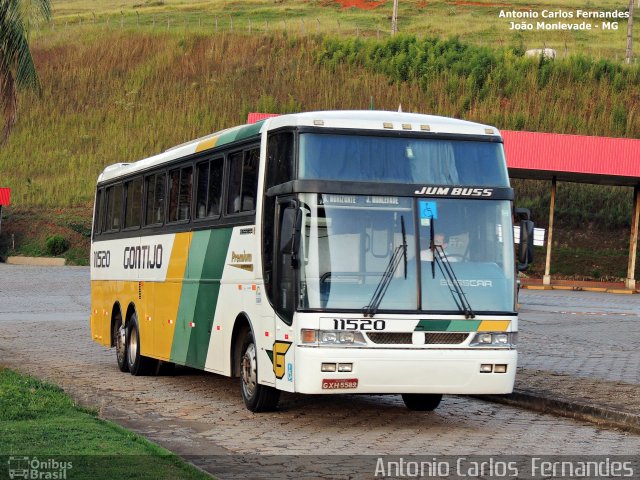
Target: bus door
286,271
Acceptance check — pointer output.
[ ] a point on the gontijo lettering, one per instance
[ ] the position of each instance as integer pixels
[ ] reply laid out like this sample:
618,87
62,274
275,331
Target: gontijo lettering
143,257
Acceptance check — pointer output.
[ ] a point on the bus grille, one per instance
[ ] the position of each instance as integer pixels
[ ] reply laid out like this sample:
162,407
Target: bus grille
404,338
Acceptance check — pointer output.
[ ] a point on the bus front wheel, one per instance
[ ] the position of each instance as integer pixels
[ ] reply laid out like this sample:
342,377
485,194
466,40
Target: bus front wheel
257,398
421,402
138,365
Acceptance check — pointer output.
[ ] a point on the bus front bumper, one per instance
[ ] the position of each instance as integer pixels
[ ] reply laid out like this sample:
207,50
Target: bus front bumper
450,371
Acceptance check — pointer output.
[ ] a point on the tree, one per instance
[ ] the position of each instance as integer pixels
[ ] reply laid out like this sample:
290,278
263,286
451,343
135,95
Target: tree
17,69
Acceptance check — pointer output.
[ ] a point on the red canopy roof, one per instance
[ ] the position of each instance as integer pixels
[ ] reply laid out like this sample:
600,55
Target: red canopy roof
254,117
5,196
574,158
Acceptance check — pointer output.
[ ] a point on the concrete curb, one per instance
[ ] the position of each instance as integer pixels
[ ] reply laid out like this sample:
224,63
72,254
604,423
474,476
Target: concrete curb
602,416
36,261
578,288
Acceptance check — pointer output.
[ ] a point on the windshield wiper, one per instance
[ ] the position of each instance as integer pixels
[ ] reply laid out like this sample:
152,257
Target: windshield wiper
385,280
440,257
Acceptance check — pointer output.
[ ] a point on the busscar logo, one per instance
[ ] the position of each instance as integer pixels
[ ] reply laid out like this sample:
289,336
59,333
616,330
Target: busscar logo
455,191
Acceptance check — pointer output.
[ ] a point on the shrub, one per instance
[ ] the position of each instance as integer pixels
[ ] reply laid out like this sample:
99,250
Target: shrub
56,245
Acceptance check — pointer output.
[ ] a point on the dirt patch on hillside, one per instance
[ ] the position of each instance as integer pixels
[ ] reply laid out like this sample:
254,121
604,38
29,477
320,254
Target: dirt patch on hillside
481,4
359,4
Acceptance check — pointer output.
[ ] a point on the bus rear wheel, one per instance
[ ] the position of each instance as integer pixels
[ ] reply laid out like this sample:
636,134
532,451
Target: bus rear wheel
138,365
120,337
257,398
421,402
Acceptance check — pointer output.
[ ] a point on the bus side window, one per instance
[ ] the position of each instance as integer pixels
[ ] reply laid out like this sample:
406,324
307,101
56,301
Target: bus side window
234,196
133,204
215,187
243,181
97,213
114,208
184,198
250,179
174,191
202,172
155,185
150,188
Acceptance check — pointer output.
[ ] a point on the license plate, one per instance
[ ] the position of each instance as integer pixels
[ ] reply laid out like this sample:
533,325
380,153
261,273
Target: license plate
337,383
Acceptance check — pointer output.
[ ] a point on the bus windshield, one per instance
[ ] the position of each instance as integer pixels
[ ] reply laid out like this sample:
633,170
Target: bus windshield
401,160
349,241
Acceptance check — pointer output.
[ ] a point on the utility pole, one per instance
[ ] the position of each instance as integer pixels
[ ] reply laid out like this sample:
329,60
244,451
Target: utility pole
629,54
394,18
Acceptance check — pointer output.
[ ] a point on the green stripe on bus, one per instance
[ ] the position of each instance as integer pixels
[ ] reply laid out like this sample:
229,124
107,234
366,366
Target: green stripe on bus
447,326
199,296
464,326
239,133
205,308
432,325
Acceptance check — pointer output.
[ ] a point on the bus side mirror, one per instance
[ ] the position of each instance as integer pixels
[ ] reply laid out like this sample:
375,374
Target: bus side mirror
525,249
290,233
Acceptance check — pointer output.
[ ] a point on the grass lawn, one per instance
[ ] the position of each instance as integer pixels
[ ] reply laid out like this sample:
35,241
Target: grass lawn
39,422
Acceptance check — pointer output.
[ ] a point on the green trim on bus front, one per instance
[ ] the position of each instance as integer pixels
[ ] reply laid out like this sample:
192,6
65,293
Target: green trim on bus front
447,326
239,134
199,296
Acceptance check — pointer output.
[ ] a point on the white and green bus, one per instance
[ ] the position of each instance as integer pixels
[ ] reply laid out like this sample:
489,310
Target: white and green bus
320,252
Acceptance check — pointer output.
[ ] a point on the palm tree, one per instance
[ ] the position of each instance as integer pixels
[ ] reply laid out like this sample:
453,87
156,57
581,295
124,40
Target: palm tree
17,69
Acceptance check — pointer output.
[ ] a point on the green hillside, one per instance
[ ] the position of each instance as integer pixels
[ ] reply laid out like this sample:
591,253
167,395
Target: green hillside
113,94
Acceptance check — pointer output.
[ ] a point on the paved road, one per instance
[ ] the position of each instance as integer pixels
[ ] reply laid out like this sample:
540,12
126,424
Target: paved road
585,334
44,331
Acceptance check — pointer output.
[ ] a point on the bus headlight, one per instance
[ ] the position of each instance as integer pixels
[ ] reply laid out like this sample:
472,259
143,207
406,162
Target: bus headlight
331,337
495,339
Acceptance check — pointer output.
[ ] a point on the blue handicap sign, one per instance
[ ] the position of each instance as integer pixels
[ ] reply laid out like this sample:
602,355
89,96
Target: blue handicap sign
428,209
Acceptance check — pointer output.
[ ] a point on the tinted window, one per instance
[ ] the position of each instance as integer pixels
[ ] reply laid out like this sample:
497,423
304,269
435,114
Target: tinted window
202,189
279,159
113,215
184,199
155,185
134,203
209,188
234,197
243,181
180,181
96,213
402,160
250,179
215,187
174,192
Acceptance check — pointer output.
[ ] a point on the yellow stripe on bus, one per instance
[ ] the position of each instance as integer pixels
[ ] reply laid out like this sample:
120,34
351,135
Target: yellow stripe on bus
208,143
494,325
166,297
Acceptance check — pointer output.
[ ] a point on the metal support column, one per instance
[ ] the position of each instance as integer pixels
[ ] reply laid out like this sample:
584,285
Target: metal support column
546,280
630,281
